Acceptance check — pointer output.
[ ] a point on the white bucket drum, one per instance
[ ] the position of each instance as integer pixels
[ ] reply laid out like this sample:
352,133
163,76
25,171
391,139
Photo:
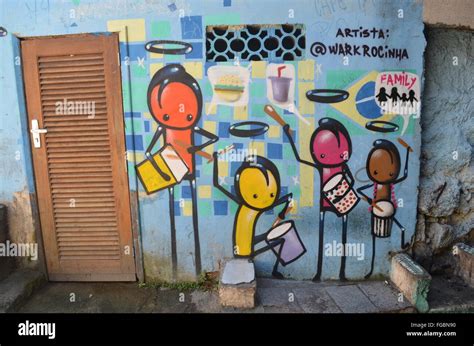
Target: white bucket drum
292,247
382,220
340,194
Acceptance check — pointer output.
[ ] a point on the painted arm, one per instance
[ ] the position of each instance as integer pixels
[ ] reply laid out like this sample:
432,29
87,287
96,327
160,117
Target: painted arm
215,180
149,156
284,199
405,171
212,139
286,130
349,174
365,187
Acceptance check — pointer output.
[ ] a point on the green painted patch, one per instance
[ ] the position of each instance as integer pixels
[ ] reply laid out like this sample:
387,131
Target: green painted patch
257,89
205,208
257,110
206,169
160,29
225,112
138,102
222,19
134,125
138,71
341,79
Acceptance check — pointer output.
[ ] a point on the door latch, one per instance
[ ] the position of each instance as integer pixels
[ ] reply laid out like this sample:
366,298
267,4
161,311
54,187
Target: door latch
36,131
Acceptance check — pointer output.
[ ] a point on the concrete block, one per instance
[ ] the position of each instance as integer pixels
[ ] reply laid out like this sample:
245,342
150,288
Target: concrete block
237,286
412,280
17,287
465,254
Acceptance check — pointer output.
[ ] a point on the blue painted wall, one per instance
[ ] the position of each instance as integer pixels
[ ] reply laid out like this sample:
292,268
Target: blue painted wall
186,20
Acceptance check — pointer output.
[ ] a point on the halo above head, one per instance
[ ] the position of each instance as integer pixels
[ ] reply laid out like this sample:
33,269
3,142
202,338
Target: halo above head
321,95
185,48
237,129
379,126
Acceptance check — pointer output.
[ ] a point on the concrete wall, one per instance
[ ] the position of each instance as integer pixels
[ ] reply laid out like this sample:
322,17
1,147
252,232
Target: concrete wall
451,13
446,205
147,20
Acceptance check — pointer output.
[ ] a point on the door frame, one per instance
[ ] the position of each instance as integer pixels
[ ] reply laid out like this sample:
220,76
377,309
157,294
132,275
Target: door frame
31,178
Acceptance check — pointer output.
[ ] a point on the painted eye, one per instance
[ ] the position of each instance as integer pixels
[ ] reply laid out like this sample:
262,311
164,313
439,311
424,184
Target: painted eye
166,117
323,156
341,156
189,117
255,196
375,172
272,195
391,174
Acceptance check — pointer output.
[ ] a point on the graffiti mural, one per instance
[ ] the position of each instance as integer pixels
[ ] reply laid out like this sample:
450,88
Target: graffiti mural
269,130
383,169
175,101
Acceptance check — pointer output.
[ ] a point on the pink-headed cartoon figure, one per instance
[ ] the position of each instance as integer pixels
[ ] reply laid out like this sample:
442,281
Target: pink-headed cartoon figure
331,148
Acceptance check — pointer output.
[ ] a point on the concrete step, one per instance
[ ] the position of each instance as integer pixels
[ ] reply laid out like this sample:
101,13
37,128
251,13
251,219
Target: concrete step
450,294
18,287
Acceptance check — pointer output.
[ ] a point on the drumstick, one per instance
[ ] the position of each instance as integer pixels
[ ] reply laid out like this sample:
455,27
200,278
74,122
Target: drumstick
277,220
405,144
373,204
183,145
273,113
222,151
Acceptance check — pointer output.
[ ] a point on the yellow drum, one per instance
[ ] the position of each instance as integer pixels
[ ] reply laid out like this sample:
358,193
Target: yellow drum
169,161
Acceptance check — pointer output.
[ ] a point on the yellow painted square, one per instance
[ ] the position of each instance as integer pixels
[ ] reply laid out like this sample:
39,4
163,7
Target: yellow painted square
147,115
306,172
223,167
306,70
258,69
155,67
204,191
156,55
274,131
211,108
194,69
259,147
241,113
210,126
305,106
187,208
135,29
139,157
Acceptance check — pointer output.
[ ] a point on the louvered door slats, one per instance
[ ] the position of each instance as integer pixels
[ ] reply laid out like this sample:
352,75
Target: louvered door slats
84,225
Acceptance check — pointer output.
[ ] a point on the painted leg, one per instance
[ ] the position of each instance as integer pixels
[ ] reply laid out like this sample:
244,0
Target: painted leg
402,229
174,256
197,245
317,277
373,258
342,271
275,273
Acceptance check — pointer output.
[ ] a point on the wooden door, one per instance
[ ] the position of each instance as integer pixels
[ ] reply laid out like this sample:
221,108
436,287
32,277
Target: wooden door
73,91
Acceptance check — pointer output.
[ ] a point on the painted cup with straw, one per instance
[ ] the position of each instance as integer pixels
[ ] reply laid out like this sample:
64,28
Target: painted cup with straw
280,86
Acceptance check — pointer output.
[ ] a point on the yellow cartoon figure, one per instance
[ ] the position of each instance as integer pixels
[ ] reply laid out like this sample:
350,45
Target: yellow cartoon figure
257,189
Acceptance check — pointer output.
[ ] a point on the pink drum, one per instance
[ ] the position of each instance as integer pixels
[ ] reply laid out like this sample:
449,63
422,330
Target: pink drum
340,194
292,247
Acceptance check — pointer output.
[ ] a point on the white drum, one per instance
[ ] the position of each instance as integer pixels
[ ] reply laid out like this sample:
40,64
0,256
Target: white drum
382,220
292,247
340,194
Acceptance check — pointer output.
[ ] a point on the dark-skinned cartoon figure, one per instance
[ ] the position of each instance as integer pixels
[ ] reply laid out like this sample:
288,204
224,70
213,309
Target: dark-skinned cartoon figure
383,167
257,190
331,148
175,102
